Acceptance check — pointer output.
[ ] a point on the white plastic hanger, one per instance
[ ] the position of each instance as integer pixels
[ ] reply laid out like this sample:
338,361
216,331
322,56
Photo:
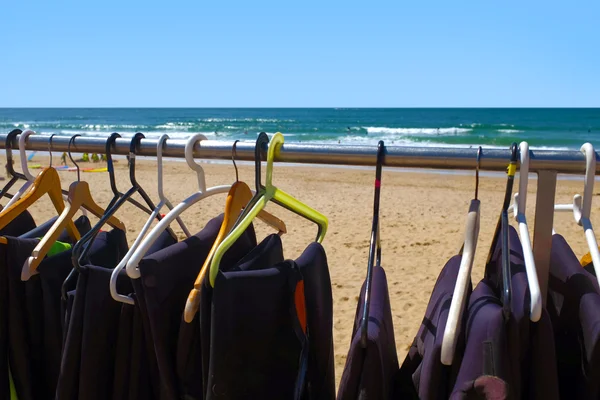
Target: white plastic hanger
582,207
459,297
163,201
203,192
519,207
25,168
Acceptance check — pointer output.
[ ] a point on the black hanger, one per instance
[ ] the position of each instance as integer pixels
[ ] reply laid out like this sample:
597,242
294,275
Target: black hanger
375,246
260,152
111,176
82,247
502,233
15,176
79,253
111,169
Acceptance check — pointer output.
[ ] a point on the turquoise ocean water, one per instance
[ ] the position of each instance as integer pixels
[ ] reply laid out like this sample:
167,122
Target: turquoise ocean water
543,128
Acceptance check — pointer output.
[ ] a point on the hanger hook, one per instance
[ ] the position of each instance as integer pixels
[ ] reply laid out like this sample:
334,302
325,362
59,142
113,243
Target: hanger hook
233,156
72,140
23,154
479,150
133,147
109,165
262,144
50,147
514,152
159,149
189,158
9,158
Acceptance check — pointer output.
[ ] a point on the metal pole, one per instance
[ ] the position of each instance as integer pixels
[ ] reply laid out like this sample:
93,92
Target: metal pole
567,161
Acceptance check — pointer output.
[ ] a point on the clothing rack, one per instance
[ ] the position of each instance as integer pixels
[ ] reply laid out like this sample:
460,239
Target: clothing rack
546,163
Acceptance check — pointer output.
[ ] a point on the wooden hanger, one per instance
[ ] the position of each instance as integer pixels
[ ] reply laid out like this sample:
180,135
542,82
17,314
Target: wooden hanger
79,196
47,182
237,199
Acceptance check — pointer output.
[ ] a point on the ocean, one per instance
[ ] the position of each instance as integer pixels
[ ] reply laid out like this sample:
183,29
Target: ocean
551,128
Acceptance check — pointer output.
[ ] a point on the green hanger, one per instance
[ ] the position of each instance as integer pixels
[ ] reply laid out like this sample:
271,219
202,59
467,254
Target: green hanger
270,193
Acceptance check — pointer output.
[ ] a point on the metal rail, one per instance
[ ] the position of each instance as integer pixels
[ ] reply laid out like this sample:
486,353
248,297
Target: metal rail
564,162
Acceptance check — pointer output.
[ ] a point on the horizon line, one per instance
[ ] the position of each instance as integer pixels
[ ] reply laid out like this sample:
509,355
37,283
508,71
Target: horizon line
300,107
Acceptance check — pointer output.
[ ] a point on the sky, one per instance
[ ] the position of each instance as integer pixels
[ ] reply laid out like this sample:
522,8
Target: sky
299,54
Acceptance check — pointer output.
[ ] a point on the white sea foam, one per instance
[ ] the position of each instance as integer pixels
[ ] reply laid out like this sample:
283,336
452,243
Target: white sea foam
175,125
416,131
509,131
372,141
125,134
244,120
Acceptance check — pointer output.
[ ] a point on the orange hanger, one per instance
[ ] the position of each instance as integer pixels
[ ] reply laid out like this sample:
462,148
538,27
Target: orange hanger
47,182
237,199
79,196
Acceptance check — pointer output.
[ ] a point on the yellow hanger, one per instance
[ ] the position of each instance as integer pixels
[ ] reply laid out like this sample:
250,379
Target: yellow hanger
79,196
237,199
270,193
47,182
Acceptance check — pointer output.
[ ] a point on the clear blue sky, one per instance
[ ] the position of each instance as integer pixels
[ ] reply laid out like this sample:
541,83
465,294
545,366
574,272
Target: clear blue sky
283,54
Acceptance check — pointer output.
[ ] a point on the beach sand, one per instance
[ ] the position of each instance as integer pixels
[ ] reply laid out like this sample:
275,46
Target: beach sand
422,225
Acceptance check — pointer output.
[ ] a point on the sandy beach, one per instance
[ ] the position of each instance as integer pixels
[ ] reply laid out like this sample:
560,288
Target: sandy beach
422,225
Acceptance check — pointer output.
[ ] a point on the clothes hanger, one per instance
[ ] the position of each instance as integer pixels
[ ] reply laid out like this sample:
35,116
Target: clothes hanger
374,248
460,294
79,197
260,148
237,200
262,144
79,250
502,233
582,206
47,182
203,192
111,169
111,176
15,176
270,193
519,207
28,176
163,200
83,246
